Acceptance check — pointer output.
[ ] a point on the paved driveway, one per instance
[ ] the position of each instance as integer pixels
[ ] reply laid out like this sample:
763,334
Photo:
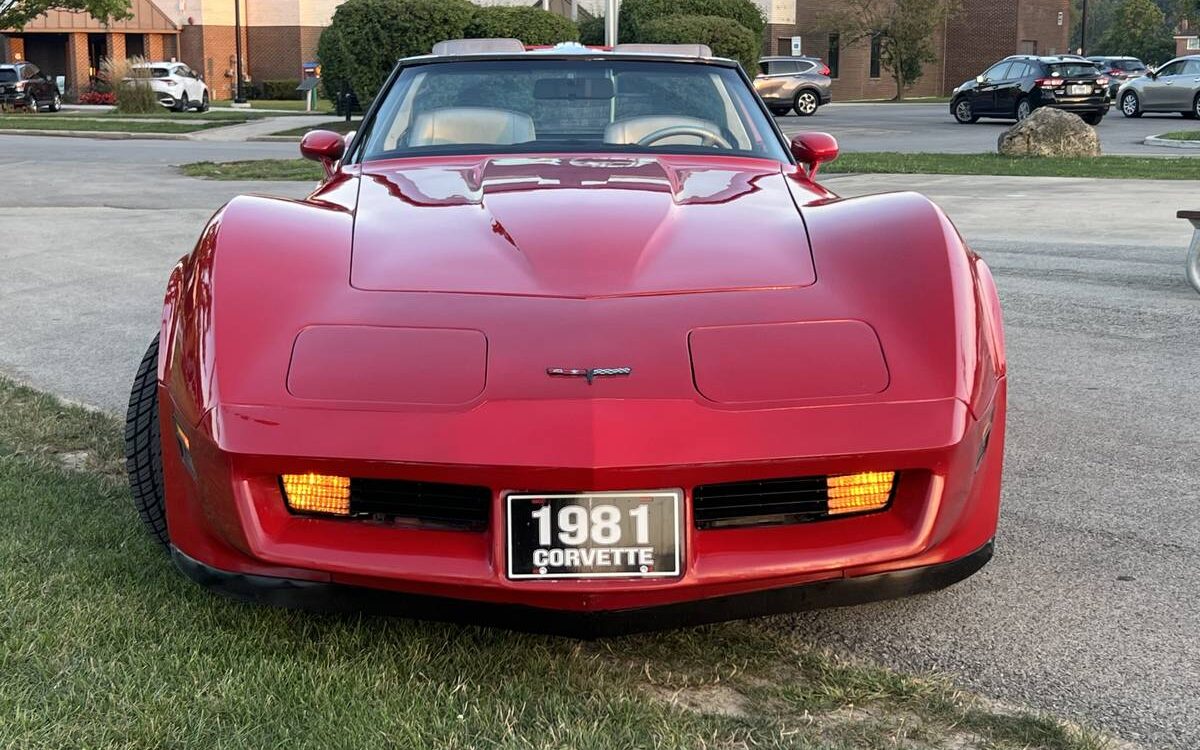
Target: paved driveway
1091,607
929,127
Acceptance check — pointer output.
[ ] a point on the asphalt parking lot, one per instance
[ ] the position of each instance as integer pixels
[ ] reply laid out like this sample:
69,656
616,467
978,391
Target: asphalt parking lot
1090,608
930,128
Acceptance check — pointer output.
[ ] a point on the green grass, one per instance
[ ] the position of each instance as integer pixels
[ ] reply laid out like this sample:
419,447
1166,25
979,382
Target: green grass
103,645
297,105
258,169
1115,167
1182,135
337,126
56,122
226,116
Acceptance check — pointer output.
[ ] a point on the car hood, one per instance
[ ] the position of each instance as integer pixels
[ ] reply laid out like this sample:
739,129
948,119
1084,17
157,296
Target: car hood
579,227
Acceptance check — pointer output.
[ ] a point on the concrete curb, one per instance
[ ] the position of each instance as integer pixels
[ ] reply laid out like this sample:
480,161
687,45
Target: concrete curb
274,139
109,135
1168,143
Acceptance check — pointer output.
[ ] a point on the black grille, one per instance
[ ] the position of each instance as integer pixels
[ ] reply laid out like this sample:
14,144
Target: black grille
761,502
455,506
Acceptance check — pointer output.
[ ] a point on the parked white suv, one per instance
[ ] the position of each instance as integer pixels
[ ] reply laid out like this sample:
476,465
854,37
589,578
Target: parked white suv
178,86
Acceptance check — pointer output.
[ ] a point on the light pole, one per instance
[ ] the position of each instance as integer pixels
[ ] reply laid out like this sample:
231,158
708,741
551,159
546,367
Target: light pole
1083,29
238,96
610,22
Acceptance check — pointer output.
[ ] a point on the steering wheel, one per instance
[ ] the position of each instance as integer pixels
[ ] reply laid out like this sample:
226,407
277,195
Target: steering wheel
707,137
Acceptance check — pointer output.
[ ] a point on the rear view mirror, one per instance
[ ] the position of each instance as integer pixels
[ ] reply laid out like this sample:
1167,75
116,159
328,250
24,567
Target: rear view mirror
324,146
814,149
573,88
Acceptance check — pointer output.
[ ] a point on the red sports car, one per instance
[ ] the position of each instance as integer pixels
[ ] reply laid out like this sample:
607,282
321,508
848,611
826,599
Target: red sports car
570,340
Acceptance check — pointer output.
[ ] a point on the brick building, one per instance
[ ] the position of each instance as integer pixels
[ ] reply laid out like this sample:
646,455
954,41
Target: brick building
983,32
71,45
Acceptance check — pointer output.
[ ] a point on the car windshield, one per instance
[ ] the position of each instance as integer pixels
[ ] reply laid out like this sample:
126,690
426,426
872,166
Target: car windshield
1072,69
1127,65
7,75
570,106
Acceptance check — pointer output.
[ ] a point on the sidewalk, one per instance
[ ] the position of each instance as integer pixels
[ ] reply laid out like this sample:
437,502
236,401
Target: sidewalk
256,128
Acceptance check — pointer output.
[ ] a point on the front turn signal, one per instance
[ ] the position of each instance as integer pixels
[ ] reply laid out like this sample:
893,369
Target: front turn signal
858,493
317,493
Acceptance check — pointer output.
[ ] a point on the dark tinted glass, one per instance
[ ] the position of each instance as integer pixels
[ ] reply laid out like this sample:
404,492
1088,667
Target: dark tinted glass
1126,65
783,66
997,72
8,75
1072,70
159,73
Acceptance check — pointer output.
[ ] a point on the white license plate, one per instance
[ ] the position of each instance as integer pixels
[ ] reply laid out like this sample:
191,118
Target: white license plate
1079,90
594,534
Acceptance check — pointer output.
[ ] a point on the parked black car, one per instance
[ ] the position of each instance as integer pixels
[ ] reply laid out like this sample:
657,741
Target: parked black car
1017,85
23,85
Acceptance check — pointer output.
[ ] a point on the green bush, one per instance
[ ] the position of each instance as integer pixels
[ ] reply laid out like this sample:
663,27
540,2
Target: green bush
636,13
591,30
282,89
726,37
360,47
530,25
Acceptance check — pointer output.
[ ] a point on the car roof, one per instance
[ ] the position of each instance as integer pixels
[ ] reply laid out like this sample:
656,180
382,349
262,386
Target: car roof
458,50
163,64
1112,57
788,57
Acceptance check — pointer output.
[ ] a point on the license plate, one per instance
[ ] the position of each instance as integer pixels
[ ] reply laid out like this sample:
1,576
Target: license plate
1079,90
594,535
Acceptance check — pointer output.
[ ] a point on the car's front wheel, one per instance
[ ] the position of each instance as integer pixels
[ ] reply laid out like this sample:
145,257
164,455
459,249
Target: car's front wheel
1131,106
806,103
143,447
204,102
963,111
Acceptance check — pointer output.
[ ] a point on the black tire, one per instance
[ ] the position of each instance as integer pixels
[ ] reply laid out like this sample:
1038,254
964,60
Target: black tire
56,104
780,111
963,112
32,104
1131,105
1093,118
182,104
806,103
1022,109
204,102
143,448
1194,112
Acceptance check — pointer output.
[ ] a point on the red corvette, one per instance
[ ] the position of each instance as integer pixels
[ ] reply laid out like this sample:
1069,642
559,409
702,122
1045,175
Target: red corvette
570,340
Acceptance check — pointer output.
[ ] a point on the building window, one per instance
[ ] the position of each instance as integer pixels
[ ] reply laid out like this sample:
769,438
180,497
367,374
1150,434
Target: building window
135,45
876,54
1027,47
832,57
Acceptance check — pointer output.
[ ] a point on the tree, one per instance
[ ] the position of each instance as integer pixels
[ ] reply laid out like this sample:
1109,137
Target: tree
903,29
634,13
1140,30
724,36
14,14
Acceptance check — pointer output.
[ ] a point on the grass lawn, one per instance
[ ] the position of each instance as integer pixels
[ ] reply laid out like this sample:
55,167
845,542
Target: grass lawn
338,126
1123,167
104,645
297,105
258,169
56,122
1182,135
226,116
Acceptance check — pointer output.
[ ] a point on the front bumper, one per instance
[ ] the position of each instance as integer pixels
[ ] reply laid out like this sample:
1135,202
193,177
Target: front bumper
332,597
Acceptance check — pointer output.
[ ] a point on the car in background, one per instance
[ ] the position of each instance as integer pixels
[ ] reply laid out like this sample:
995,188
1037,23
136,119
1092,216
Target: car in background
1174,87
800,84
23,85
178,87
1017,85
1119,70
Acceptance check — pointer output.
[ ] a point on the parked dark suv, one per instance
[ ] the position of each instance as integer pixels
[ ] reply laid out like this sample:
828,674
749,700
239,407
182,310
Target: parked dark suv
1017,85
1119,70
22,84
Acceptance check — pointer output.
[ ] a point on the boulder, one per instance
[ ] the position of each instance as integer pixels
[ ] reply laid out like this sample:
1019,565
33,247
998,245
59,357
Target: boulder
1050,132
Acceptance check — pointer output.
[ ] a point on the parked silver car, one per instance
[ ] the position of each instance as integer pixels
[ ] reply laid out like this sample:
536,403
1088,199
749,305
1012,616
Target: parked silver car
793,83
1174,87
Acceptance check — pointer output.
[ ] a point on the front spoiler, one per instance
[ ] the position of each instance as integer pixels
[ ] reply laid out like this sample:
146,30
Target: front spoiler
334,597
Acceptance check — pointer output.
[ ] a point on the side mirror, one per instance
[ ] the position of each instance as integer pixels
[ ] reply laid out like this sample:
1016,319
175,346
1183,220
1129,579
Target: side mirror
324,146
813,150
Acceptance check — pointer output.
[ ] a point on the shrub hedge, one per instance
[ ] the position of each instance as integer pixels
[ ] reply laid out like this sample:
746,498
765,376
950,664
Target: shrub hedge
281,89
636,13
726,37
360,47
591,30
530,25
